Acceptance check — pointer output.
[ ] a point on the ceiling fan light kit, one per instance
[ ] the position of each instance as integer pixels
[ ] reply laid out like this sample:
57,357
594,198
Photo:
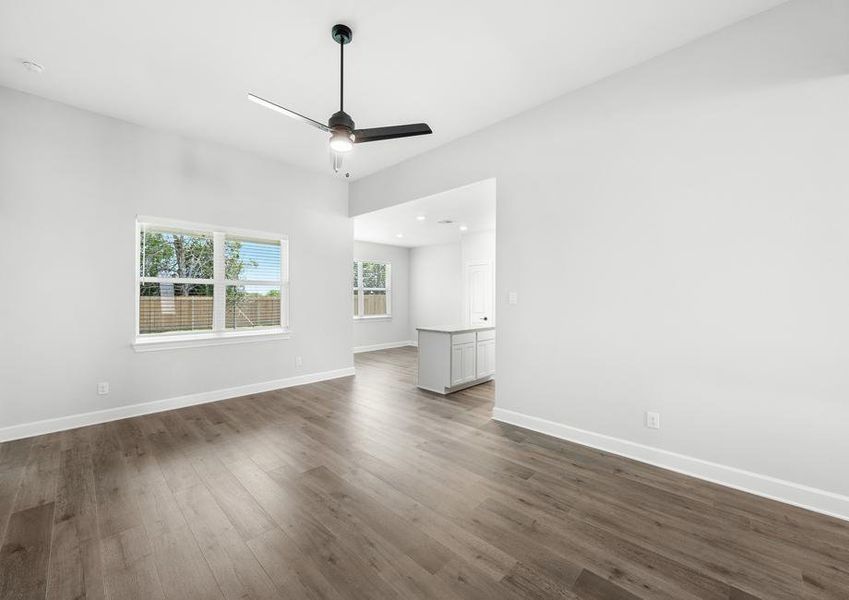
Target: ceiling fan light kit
341,141
340,126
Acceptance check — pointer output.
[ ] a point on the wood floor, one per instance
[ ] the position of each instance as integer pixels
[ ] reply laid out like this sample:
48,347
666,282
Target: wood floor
367,488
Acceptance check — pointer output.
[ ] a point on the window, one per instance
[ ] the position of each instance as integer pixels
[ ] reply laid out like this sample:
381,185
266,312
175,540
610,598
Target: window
203,284
372,289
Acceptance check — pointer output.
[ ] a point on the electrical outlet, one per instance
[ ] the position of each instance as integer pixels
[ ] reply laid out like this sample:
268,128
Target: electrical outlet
513,298
653,420
103,388
299,361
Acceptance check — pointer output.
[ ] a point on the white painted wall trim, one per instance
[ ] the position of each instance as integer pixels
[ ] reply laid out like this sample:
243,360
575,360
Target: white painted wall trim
133,410
809,498
386,346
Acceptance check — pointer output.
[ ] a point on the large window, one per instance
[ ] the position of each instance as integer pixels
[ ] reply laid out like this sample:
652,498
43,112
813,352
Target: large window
372,289
197,283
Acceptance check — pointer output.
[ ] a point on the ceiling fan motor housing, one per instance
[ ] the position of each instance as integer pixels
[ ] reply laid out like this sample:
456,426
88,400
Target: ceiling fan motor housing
341,120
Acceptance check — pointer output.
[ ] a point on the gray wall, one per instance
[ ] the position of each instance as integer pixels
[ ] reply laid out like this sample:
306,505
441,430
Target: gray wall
71,185
677,235
369,332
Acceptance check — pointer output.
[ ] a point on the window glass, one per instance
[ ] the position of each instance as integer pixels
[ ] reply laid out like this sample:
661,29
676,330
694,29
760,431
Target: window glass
374,303
374,275
212,281
165,307
372,289
252,306
251,259
176,254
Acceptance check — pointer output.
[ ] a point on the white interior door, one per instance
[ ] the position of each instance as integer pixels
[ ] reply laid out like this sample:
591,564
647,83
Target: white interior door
479,294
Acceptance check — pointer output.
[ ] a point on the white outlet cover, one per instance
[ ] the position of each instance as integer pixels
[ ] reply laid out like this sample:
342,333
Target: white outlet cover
653,420
513,298
103,388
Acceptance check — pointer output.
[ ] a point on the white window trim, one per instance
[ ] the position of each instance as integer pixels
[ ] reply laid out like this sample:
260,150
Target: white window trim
219,335
361,300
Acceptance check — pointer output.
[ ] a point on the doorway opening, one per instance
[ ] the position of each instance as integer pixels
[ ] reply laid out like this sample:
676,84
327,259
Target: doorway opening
440,251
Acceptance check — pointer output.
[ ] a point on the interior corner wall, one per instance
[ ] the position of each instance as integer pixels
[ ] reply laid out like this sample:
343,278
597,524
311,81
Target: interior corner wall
394,331
438,294
679,246
71,185
436,286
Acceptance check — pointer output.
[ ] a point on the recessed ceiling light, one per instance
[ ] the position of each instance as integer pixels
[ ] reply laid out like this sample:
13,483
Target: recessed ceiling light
33,66
420,218
464,228
399,235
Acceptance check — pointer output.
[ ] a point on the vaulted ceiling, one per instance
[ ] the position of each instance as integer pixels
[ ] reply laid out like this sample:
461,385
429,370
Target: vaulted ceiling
186,67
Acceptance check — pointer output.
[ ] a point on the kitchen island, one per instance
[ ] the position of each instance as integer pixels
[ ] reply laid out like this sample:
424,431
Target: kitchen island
452,358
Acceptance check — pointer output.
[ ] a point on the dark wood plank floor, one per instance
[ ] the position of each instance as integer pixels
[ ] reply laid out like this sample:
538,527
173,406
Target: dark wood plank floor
368,488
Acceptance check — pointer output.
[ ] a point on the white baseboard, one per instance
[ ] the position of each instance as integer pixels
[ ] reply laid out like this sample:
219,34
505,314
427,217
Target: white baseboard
133,410
821,501
387,346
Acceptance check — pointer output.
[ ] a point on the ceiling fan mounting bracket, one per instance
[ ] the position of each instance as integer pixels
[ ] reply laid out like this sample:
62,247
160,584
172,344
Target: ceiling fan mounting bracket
342,34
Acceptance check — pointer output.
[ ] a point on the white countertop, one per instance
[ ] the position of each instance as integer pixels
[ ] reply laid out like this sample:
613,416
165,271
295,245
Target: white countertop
455,328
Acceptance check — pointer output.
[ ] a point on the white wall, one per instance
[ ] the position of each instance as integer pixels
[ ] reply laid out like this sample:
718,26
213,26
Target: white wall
680,245
71,185
395,330
478,247
436,286
428,286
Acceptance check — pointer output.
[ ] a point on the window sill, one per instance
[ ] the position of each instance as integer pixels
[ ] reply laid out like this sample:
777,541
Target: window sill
193,340
374,318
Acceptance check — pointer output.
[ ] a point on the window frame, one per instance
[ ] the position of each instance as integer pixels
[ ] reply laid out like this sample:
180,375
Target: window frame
359,289
219,333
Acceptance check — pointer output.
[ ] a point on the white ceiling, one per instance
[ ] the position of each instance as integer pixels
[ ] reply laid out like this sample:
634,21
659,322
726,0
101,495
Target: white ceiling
460,66
472,206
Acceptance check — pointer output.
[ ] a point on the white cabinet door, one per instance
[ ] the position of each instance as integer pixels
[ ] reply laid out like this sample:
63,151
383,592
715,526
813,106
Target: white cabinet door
456,364
462,363
486,358
469,362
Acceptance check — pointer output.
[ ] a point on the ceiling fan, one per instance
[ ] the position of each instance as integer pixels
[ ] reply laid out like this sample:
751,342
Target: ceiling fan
340,126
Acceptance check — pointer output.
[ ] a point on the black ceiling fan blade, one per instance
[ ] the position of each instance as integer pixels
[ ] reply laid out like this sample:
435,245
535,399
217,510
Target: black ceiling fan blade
289,113
390,133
